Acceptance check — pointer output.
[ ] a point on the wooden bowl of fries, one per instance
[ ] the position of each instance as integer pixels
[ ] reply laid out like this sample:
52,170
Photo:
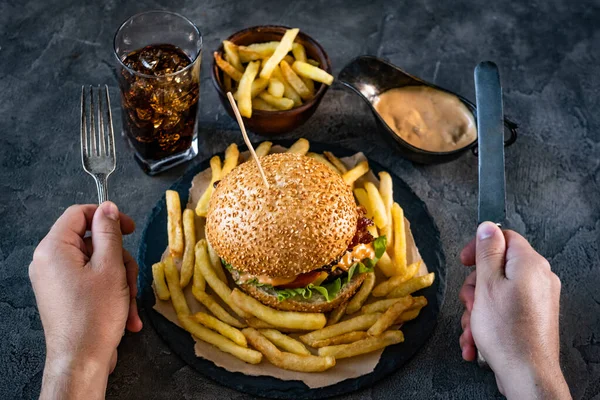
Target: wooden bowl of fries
272,118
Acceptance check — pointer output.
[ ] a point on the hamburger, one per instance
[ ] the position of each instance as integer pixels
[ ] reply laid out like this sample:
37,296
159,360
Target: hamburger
300,245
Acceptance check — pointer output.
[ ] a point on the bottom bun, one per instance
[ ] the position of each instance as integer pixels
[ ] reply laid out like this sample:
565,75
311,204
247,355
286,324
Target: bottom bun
317,303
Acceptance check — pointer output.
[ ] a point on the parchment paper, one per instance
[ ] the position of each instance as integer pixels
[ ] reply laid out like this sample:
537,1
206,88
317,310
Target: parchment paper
344,368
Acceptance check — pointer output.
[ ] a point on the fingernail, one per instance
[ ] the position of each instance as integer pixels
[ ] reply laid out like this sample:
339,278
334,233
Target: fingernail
110,210
486,230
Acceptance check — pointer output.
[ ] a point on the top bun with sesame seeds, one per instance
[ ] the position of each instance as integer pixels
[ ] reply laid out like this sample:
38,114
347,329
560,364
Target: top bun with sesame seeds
305,220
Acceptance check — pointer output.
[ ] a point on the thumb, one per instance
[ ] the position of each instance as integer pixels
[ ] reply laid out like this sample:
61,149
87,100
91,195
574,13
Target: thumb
490,252
106,236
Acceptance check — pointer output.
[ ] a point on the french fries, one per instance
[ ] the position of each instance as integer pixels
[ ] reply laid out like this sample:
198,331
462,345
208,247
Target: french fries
220,288
288,59
263,149
379,306
201,256
387,286
383,305
336,161
353,174
222,343
344,338
232,155
244,91
189,234
224,329
295,81
310,85
372,229
412,270
215,262
257,51
160,285
388,318
280,103
227,68
386,265
288,90
337,314
284,319
413,312
174,228
377,207
301,146
284,342
299,52
410,286
308,71
363,293
284,47
214,307
276,88
289,361
312,62
358,323
363,346
408,315
322,160
261,105
387,195
177,297
258,85
399,239
216,171
232,56
257,323
363,199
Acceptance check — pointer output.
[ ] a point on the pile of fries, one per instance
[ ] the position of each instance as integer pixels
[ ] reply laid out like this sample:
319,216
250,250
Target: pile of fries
244,327
265,76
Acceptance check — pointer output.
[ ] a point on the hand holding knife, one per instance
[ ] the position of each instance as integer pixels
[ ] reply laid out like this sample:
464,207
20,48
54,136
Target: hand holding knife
490,130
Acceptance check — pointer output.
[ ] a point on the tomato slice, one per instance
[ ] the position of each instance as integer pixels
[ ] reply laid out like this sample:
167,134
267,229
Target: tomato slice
302,280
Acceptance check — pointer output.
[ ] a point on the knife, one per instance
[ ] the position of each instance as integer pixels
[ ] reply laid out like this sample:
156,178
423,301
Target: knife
490,132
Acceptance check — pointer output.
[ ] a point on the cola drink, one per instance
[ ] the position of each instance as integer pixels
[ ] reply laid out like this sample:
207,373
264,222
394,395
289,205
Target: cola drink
159,92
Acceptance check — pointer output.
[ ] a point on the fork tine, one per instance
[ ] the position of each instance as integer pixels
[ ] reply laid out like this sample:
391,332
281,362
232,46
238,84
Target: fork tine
93,139
84,142
101,138
111,133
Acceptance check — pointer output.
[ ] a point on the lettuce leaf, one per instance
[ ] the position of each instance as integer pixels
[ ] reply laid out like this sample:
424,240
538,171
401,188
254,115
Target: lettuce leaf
227,265
379,245
328,291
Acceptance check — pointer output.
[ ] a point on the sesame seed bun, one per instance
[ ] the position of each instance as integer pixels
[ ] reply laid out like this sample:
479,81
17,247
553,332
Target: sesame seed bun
316,304
305,220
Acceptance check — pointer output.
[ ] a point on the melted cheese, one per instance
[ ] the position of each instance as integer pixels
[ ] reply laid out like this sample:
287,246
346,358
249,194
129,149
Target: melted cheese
358,253
266,280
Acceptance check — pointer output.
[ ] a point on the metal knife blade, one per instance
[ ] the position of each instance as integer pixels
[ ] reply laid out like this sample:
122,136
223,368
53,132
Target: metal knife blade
490,131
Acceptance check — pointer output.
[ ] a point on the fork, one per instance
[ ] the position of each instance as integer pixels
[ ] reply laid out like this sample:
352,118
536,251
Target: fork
97,147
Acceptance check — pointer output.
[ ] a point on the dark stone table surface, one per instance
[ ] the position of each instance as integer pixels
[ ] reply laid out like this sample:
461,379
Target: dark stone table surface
548,54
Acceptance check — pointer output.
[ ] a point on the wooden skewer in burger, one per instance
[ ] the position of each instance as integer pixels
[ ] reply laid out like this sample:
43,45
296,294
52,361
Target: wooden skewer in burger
289,231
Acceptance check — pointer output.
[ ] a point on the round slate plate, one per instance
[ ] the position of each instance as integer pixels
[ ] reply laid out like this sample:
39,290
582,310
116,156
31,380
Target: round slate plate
416,333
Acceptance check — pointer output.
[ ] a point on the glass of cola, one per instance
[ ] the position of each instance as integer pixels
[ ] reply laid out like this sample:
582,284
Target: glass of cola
159,56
